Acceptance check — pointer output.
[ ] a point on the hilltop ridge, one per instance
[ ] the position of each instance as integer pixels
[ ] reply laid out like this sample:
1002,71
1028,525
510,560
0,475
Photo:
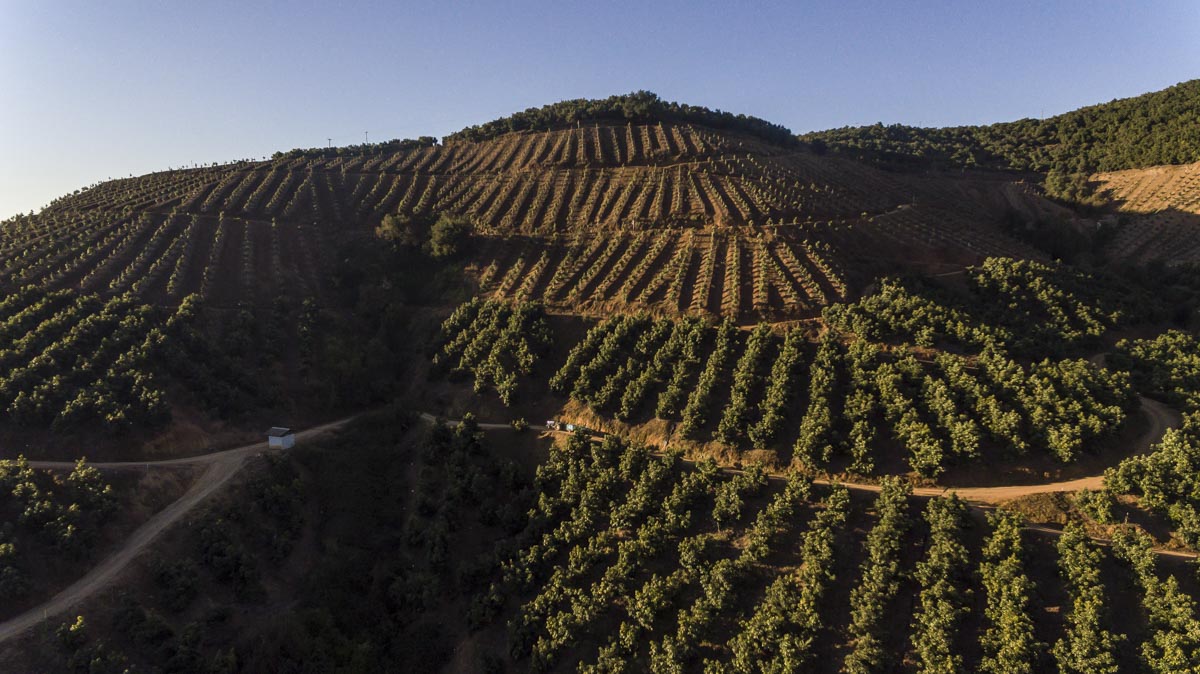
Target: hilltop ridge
637,107
1160,127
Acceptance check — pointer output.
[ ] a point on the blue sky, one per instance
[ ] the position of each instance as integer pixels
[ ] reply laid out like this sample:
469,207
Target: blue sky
104,89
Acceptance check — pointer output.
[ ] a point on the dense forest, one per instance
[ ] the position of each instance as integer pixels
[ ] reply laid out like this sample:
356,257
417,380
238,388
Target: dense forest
1153,129
636,107
1148,130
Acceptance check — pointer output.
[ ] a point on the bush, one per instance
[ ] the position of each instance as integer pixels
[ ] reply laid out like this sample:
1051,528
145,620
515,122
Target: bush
449,236
399,229
178,582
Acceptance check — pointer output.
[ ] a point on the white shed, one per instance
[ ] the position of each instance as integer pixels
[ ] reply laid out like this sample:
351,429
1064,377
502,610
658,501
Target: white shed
280,438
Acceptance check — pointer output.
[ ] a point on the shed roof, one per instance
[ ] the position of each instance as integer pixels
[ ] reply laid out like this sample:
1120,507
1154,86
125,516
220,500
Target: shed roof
278,432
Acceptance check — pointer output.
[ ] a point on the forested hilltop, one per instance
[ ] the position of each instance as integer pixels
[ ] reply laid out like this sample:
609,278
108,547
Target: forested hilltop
1161,127
636,107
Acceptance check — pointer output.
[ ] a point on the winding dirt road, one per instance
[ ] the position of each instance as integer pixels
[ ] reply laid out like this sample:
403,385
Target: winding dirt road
223,465
1160,416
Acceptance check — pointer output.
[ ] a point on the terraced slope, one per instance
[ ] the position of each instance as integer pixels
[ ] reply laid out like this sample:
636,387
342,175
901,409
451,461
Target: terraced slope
1160,207
674,217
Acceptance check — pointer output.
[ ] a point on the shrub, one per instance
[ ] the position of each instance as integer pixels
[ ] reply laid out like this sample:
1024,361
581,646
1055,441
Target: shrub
449,236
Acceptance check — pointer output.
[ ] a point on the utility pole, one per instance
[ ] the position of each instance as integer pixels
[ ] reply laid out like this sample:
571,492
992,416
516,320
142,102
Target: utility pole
366,138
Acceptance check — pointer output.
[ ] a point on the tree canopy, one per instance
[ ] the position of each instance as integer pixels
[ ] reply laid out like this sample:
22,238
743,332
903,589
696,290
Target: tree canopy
1161,127
449,235
639,106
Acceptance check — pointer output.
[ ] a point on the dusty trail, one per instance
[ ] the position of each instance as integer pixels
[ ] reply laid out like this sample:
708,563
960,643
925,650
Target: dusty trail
212,457
223,465
1050,531
99,577
1161,418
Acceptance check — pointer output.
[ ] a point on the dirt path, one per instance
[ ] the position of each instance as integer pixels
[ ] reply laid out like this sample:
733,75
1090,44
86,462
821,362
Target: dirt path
212,457
1051,531
222,466
101,576
225,464
1161,418
430,419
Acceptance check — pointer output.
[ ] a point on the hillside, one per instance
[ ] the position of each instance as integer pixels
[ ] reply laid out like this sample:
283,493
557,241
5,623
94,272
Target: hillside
702,192
1160,207
301,284
421,557
702,221
590,207
796,410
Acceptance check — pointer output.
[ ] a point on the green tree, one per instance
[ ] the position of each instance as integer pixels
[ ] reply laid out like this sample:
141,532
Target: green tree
449,235
400,229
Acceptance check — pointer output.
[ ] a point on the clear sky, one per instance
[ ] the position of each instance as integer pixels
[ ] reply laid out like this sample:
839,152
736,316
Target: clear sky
93,90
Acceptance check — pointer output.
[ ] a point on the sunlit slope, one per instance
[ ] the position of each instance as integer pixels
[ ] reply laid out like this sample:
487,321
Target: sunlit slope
1158,210
671,217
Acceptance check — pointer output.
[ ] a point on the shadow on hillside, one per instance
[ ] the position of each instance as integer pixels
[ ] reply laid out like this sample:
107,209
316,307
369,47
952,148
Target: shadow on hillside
1170,235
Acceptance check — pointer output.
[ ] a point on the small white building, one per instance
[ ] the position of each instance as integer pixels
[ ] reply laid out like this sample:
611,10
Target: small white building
280,438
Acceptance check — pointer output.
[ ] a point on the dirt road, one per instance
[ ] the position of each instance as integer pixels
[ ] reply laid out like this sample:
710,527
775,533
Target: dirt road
1160,416
430,419
99,577
225,464
222,466
212,457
